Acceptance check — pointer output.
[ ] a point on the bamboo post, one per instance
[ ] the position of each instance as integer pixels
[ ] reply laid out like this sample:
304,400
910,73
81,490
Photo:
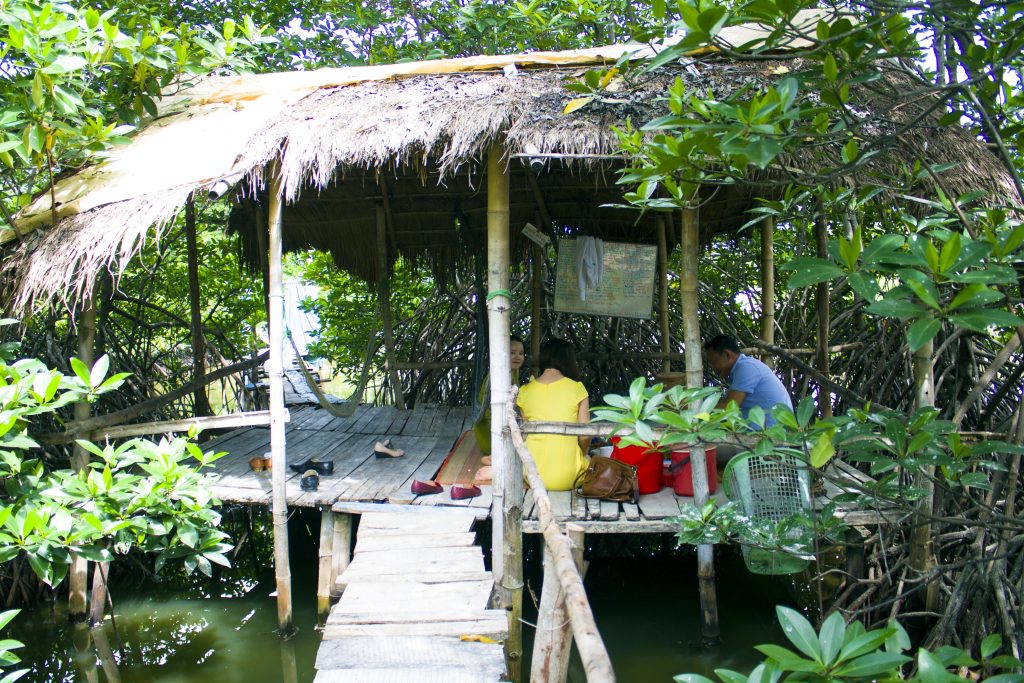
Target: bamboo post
325,569
663,320
342,549
507,506
78,574
593,654
384,296
768,286
922,551
275,370
821,301
690,245
536,301
200,401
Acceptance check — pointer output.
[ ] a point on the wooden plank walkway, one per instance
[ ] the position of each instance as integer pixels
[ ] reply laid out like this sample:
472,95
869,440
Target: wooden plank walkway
416,586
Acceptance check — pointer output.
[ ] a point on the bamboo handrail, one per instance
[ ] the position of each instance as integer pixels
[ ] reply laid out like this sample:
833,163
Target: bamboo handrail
79,427
596,662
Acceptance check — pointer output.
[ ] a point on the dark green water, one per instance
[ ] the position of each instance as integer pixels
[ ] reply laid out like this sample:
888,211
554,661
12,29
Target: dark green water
223,630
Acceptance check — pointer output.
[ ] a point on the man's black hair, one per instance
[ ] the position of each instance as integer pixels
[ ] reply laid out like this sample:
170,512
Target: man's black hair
720,343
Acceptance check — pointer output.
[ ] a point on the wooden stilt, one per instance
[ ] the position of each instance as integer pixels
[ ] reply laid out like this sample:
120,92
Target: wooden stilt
384,296
275,370
593,654
200,402
690,245
507,506
98,596
553,642
768,286
666,334
78,575
536,302
554,633
821,301
342,549
325,570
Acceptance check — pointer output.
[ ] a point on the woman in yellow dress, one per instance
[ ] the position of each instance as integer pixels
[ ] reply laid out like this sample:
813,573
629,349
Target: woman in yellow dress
557,395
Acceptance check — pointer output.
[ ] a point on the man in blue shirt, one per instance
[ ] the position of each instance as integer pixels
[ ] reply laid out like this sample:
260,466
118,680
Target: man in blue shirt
751,382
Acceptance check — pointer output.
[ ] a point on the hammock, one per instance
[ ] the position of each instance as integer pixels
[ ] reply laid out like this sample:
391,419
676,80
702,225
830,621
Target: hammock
348,407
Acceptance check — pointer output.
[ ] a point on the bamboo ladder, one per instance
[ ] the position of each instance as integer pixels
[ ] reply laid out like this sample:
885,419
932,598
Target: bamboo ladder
563,597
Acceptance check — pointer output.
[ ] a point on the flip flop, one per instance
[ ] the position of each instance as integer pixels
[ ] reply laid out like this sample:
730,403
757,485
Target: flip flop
424,488
385,450
310,481
322,467
463,492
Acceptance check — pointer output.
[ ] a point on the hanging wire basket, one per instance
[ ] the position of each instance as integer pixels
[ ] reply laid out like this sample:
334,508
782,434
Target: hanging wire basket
770,489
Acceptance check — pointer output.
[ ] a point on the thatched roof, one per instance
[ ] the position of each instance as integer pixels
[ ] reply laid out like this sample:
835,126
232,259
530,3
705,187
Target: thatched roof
411,141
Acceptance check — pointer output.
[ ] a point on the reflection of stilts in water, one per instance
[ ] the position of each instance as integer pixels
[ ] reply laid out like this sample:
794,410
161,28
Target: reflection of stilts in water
289,667
85,659
106,655
90,645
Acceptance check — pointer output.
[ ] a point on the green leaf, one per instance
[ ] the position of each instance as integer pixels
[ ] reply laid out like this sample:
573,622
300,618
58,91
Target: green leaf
811,271
832,632
830,69
63,64
871,664
950,253
931,670
799,632
980,321
850,151
99,370
864,643
896,308
922,332
989,646
81,370
712,20
821,453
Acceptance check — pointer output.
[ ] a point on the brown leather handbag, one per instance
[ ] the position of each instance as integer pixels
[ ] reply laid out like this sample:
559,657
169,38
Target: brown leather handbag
608,479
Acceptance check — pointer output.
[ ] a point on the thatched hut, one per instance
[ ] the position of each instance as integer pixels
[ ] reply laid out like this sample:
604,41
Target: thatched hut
420,160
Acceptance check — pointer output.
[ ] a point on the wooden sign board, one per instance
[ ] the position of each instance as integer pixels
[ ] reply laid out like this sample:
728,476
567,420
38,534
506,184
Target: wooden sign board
626,290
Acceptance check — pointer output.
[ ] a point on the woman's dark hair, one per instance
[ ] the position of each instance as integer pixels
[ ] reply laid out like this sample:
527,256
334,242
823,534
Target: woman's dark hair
516,337
559,354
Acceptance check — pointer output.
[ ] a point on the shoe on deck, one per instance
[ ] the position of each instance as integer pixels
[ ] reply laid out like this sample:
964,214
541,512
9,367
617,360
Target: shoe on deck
463,492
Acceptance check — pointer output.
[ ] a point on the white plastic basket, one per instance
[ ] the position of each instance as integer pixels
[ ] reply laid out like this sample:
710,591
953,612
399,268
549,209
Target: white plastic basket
769,488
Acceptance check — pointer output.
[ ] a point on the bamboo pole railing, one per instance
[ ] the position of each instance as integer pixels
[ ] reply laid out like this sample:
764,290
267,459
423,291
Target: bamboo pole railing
596,662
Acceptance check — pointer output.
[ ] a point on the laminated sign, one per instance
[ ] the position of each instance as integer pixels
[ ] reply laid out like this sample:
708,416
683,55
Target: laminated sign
626,288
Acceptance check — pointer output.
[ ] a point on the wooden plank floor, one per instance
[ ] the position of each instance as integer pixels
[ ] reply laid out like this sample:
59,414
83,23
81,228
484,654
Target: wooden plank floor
393,624
363,483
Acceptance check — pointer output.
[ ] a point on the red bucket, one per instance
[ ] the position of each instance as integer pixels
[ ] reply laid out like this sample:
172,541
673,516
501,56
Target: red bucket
681,478
648,464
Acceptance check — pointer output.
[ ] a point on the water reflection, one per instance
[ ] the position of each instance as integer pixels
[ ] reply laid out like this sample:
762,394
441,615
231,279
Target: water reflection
175,640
